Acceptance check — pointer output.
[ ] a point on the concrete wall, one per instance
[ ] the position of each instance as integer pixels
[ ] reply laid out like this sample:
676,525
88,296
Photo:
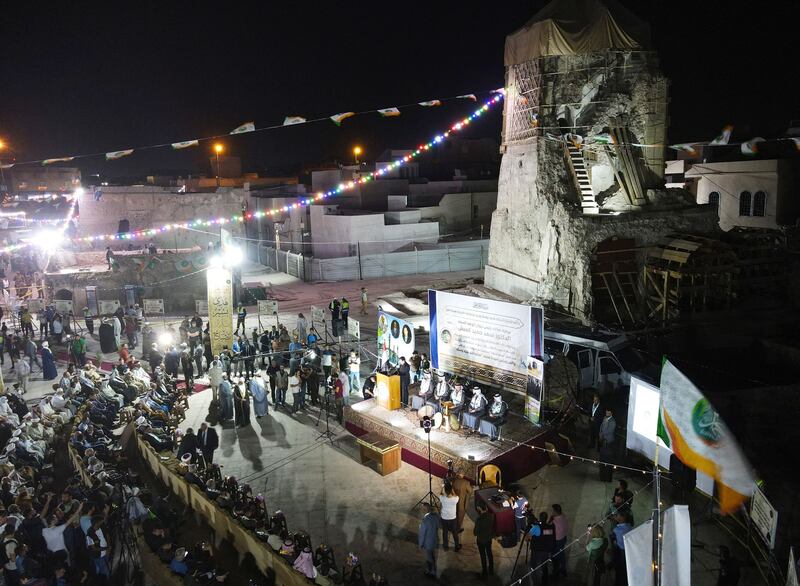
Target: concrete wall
146,206
729,180
458,212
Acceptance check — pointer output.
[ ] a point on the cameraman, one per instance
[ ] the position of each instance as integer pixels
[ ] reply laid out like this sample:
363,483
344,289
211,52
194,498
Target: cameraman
542,538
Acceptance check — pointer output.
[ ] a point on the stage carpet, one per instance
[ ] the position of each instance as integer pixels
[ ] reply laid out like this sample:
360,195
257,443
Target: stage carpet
468,452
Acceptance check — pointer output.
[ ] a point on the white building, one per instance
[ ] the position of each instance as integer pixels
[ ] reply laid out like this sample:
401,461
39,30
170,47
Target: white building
749,194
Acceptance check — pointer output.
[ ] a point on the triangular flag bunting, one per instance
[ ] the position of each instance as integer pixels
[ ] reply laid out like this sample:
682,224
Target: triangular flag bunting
431,103
185,144
751,146
696,434
289,120
7,166
472,97
604,138
59,160
389,112
724,137
686,148
796,142
500,90
118,154
246,127
337,118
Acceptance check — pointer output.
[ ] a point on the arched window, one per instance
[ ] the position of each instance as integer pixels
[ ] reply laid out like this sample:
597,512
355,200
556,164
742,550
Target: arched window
745,202
760,204
123,227
713,199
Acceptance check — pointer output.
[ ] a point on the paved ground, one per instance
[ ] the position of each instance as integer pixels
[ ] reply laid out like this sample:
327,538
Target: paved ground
322,487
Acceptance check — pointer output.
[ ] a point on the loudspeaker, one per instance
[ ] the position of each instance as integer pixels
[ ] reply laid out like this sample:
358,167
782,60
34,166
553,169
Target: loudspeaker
337,325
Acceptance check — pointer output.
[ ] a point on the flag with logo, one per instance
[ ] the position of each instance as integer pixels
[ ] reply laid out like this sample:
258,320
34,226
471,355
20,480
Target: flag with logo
685,147
289,120
184,144
338,118
246,127
694,431
389,112
724,137
112,156
59,160
430,103
751,146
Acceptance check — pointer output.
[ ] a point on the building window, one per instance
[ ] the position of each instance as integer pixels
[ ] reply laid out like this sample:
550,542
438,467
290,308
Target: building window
745,202
123,227
760,204
713,199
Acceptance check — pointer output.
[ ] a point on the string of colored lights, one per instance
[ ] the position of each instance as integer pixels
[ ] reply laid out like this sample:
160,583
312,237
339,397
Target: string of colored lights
308,200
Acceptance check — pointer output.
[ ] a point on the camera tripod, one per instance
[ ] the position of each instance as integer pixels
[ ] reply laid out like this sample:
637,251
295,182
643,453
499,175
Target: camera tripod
430,497
327,434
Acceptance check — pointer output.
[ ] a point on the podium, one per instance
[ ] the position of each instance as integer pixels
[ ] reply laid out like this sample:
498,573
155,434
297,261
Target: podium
387,391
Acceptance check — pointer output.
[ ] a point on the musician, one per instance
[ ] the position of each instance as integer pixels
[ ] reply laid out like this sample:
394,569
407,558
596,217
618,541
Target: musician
490,425
476,410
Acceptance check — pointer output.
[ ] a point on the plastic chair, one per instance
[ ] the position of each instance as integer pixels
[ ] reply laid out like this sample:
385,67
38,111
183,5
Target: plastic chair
490,475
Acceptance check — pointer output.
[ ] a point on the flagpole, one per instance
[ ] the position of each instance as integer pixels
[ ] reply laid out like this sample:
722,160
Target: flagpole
656,554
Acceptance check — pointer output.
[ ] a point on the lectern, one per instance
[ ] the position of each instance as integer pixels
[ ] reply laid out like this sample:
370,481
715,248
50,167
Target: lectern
387,391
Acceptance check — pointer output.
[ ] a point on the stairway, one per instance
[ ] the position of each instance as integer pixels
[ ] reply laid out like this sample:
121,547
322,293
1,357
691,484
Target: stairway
580,175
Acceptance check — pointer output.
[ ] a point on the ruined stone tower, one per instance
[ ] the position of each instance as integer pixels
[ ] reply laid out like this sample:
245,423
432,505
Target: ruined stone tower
584,128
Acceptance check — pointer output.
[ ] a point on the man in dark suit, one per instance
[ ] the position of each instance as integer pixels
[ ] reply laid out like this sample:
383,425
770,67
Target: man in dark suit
596,418
208,441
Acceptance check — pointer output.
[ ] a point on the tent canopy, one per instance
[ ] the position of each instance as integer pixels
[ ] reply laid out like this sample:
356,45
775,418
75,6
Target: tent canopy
573,27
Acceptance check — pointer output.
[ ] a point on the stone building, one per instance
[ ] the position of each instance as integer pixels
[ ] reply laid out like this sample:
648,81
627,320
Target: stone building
584,126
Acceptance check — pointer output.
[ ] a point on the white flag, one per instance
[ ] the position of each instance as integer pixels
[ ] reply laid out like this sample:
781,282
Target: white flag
289,120
246,127
724,137
639,554
118,154
676,547
185,144
751,146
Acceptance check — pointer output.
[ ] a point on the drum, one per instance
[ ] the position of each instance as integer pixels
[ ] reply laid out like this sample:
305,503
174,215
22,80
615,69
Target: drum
437,420
454,424
425,411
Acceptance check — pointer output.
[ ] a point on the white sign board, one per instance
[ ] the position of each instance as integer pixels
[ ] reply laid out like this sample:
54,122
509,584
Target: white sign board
153,306
764,517
108,307
354,328
201,307
34,305
63,306
317,314
267,306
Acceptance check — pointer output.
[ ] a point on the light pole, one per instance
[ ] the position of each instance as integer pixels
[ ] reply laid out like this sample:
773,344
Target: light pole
218,148
356,152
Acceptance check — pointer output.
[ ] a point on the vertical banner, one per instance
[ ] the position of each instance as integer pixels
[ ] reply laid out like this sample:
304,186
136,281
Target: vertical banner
676,547
534,390
220,308
354,328
639,554
764,517
395,338
791,573
220,300
484,339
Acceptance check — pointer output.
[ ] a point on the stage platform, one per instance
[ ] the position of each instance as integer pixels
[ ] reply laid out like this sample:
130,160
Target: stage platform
468,453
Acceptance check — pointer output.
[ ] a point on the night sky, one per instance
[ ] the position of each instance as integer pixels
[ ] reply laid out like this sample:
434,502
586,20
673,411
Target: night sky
86,78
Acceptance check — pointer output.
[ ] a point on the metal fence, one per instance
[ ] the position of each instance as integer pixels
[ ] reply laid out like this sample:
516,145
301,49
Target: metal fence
458,256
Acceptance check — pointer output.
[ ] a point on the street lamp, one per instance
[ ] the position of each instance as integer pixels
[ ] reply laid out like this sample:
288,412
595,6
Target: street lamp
356,152
218,148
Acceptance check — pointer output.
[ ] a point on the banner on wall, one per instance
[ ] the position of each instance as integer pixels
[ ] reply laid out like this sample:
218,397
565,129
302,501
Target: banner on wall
63,306
395,338
485,340
153,306
108,307
534,389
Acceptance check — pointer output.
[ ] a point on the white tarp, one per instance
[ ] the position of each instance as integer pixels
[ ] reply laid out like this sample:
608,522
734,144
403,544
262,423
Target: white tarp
639,554
570,27
676,547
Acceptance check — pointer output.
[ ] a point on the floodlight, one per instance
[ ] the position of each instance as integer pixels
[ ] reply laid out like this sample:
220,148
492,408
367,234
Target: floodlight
165,339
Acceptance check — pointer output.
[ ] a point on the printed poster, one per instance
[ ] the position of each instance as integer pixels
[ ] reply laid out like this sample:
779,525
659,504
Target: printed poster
483,339
534,389
153,306
395,338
